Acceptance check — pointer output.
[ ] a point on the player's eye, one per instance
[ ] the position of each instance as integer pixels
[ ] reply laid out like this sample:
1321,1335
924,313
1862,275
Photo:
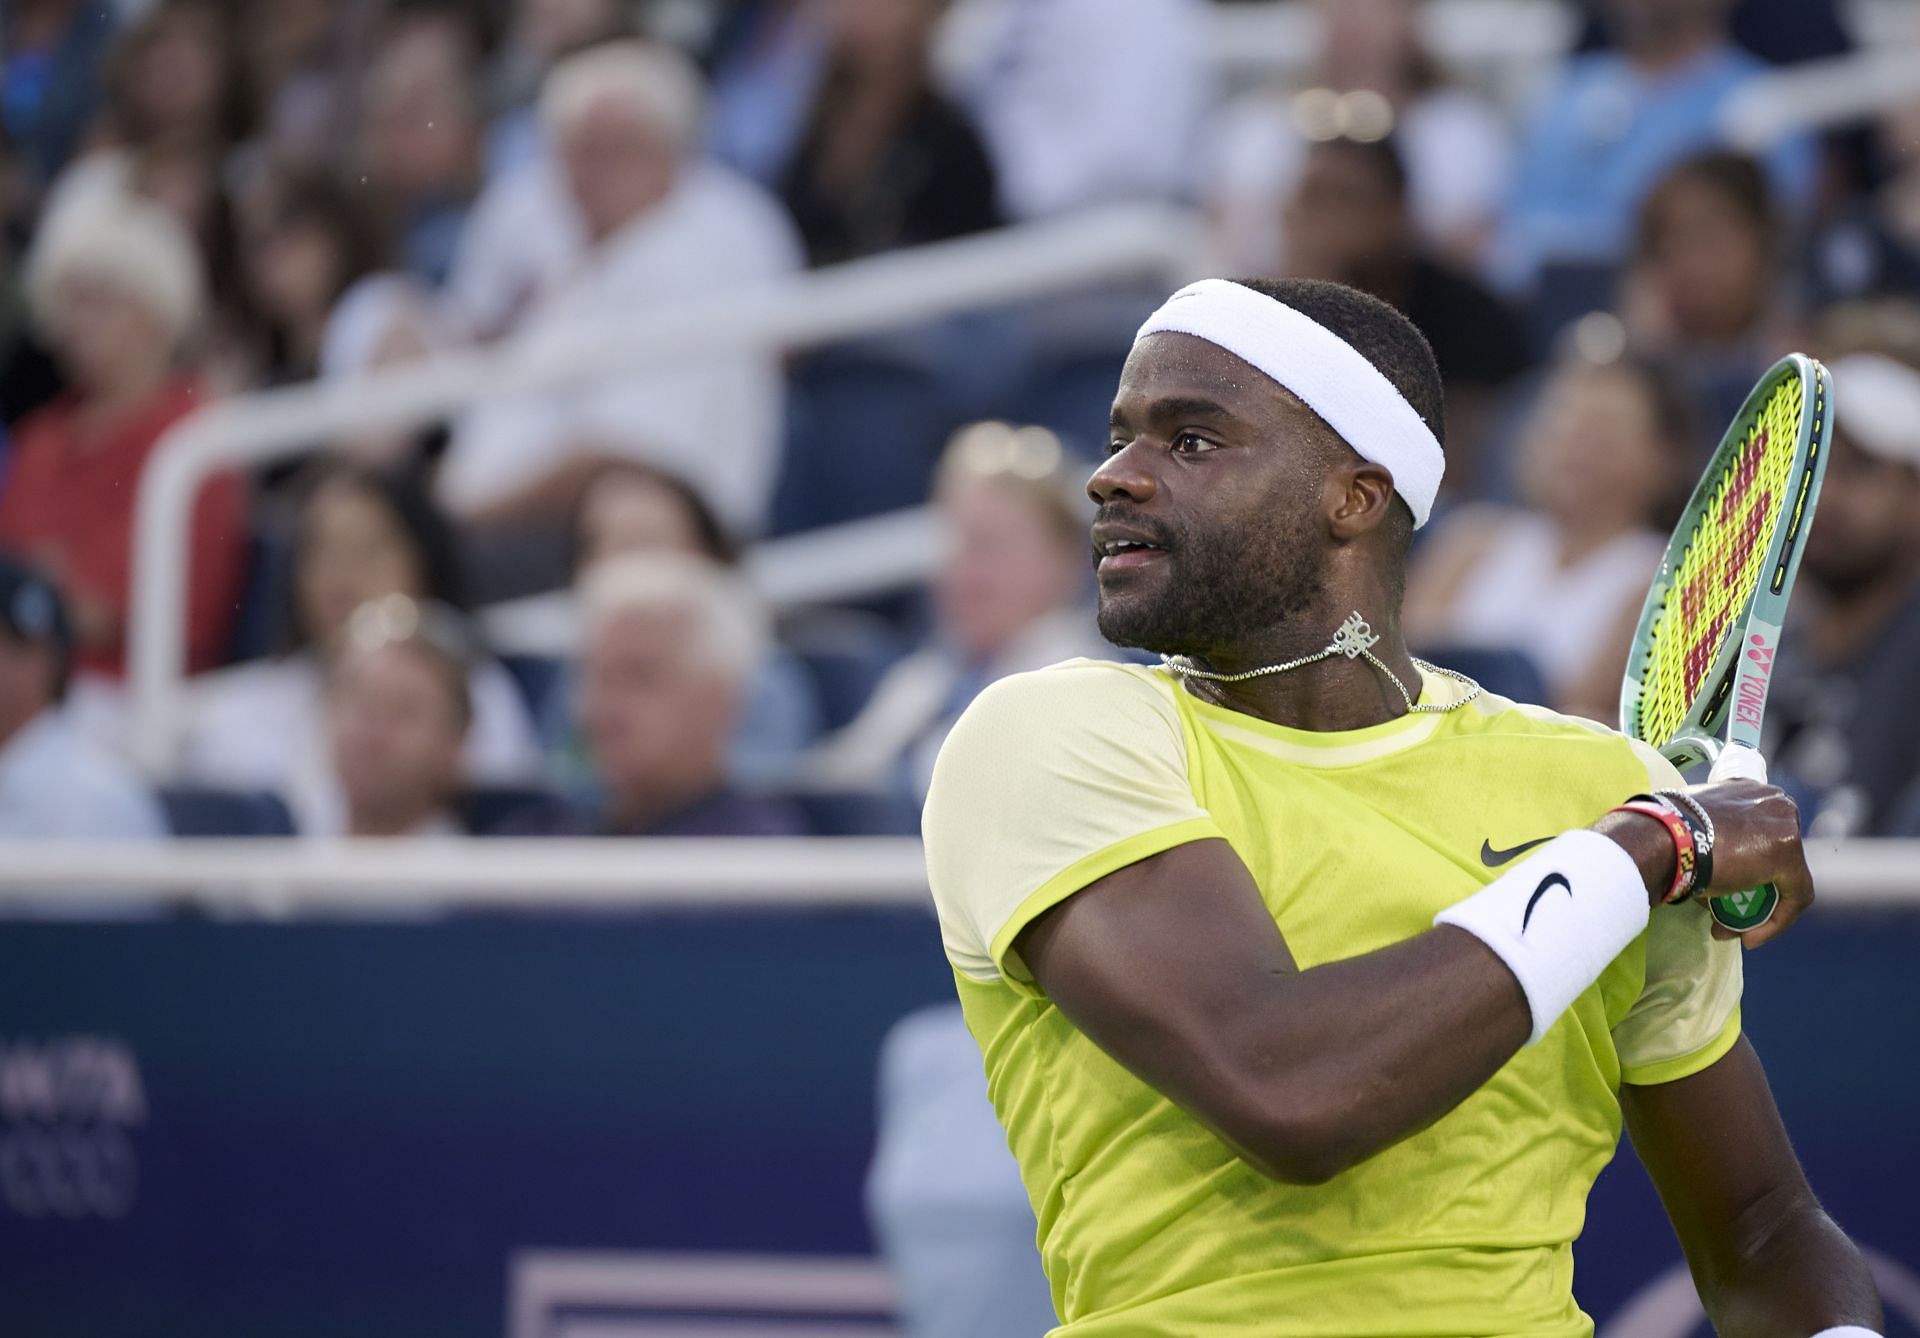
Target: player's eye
1115,446
1192,443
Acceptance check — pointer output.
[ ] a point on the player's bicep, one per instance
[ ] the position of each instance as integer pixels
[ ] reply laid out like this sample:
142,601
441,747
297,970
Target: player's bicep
1166,964
1719,1156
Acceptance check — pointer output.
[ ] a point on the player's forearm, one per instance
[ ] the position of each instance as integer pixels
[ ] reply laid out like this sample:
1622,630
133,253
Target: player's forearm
1361,1053
1795,1276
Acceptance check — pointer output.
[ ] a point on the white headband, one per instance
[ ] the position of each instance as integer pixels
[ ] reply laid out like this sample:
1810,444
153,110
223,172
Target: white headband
1330,376
1877,400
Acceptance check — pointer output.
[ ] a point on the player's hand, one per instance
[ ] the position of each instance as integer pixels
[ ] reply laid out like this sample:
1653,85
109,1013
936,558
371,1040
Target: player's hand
1756,841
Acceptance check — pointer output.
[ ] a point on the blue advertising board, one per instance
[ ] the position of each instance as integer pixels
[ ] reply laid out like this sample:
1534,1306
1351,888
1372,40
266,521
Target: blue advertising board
288,1130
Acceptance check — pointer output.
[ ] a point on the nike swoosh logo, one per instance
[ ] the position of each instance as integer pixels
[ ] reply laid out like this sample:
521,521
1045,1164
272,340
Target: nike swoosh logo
1547,885
1493,859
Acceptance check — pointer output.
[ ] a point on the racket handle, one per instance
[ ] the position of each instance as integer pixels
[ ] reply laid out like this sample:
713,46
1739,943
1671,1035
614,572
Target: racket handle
1742,911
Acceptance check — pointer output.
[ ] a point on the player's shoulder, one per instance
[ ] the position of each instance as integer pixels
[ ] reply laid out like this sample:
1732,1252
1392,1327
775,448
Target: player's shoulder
1066,710
1519,720
1075,690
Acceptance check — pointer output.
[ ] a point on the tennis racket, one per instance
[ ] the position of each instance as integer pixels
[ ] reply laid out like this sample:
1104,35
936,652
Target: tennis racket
1703,653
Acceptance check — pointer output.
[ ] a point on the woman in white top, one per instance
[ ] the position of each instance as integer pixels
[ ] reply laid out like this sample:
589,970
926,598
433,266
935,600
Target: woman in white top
1562,579
358,535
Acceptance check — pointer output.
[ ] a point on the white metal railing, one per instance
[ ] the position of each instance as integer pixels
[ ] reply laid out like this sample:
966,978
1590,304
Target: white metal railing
1823,94
852,560
279,876
1030,262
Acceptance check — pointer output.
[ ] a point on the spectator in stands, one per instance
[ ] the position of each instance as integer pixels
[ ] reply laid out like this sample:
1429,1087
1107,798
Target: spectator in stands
1870,243
385,321
1608,448
50,80
398,706
662,230
633,508
1049,83
1010,595
1841,710
54,782
303,60
885,161
541,34
766,58
1704,290
118,290
944,1196
306,239
669,645
1614,122
174,77
1373,73
358,535
1348,221
421,136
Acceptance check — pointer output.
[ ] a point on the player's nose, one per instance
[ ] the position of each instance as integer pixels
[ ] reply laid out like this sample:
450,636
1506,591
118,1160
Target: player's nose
1124,474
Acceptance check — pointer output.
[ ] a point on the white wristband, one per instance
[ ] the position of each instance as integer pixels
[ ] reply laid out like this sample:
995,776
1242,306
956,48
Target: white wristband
1847,1331
1557,918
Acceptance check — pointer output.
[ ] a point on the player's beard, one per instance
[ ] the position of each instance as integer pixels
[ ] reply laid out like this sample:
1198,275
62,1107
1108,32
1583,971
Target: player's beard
1221,595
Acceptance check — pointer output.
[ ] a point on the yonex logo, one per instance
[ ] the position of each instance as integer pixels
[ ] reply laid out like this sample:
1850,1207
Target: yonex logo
1752,698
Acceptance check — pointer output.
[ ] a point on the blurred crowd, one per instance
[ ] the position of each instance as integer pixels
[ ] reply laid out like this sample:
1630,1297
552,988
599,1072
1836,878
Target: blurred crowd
203,198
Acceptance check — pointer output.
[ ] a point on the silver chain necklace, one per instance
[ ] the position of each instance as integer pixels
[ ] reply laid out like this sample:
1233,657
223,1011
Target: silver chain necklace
1355,640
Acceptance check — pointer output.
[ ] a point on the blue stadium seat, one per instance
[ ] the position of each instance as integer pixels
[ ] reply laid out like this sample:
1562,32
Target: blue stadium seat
486,810
865,428
201,811
1509,673
859,814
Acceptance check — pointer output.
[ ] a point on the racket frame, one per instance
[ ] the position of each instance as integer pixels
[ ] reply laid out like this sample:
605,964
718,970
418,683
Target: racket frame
1732,702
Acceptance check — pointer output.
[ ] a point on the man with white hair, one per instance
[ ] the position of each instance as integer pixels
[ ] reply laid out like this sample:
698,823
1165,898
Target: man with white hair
116,285
621,221
669,643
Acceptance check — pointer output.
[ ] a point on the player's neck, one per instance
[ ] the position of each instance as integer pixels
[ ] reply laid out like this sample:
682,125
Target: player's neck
1336,693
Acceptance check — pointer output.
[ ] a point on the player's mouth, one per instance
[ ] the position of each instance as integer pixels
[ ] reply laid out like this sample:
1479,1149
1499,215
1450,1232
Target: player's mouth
1122,549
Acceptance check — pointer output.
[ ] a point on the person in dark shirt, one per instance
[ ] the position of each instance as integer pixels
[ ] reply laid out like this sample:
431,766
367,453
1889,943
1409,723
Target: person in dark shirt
1348,220
885,161
669,643
1842,712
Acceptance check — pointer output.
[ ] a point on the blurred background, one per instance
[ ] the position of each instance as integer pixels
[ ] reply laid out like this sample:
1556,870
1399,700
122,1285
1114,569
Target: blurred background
466,466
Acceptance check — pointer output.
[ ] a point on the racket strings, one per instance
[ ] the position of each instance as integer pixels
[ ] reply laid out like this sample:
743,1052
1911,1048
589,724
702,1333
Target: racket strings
1721,566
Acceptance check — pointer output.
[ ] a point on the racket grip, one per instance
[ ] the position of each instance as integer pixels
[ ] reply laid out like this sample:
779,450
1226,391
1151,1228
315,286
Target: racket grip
1742,911
1737,761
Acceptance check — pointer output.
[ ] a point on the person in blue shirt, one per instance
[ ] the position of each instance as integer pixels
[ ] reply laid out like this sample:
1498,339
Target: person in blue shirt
1615,121
54,781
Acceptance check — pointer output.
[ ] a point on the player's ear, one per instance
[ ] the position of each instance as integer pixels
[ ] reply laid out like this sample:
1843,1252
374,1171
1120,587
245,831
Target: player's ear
1361,494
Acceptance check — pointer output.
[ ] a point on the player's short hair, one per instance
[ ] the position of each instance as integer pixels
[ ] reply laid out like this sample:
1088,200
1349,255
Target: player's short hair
1385,338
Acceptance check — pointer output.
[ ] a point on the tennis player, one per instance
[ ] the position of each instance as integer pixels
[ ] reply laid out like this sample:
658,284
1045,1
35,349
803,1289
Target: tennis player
1314,983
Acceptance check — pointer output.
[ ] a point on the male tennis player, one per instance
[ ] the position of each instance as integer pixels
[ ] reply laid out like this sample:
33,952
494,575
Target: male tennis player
1314,983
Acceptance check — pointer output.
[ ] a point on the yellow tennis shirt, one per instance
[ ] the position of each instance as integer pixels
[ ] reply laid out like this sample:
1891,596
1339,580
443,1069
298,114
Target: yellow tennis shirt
1149,1225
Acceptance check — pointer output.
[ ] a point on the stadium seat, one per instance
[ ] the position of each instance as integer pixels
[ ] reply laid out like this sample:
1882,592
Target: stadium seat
864,429
1508,673
859,814
847,654
486,810
202,811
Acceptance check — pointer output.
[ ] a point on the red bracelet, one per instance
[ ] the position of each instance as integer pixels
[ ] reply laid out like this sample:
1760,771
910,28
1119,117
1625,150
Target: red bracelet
1686,859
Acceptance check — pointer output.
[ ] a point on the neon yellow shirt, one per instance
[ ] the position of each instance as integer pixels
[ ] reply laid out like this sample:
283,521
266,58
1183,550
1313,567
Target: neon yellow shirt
1149,1225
